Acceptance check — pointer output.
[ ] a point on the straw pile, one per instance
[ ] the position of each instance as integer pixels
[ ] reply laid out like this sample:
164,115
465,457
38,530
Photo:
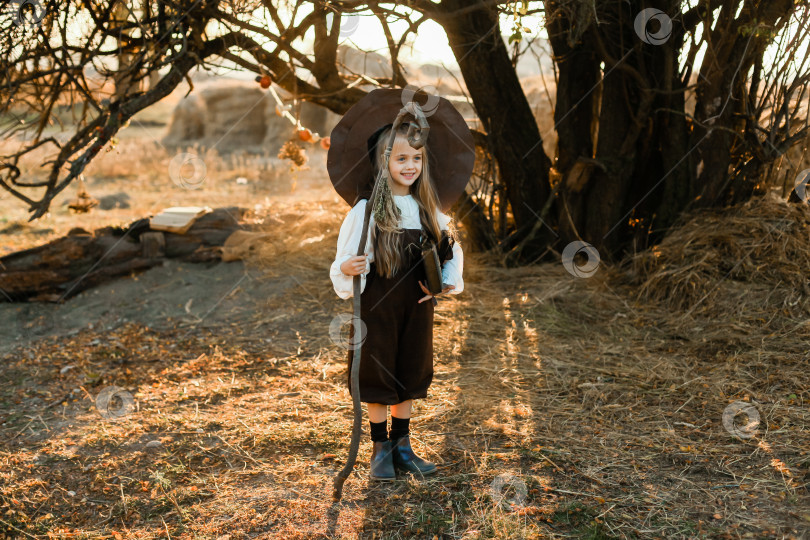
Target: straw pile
295,238
742,260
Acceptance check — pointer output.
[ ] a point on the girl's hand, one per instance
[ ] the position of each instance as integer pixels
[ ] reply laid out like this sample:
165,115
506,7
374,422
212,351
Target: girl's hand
354,266
445,289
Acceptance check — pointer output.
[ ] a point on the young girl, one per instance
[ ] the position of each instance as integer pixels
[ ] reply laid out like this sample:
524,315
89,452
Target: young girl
396,308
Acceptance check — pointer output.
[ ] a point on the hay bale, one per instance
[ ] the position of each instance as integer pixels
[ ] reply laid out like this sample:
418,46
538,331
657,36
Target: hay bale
187,123
232,122
240,117
371,64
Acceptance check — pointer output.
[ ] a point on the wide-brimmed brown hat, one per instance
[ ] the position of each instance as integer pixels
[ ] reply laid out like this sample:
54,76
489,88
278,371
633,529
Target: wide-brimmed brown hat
451,150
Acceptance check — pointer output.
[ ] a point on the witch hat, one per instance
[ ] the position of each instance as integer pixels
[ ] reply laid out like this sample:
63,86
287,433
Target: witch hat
451,149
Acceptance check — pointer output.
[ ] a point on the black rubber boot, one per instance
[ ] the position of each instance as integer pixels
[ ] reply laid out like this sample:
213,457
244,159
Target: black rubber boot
406,460
382,465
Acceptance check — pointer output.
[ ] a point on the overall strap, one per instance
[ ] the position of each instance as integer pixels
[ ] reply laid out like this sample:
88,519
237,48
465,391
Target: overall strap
426,234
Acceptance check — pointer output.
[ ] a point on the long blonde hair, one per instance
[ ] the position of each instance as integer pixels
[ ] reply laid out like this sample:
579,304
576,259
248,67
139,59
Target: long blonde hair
388,243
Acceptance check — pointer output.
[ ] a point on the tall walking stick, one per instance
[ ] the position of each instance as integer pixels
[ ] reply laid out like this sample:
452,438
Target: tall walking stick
417,135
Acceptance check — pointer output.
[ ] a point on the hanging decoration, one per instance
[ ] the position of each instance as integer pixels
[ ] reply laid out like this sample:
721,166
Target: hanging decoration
304,134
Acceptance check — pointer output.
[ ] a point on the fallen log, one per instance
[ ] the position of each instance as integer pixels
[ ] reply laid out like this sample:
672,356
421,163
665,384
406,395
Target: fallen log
66,266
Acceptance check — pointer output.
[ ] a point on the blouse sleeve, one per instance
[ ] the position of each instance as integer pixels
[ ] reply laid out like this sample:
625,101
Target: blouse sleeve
452,268
348,240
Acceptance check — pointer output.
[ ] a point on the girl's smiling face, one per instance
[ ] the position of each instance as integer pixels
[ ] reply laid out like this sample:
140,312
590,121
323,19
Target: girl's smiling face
405,166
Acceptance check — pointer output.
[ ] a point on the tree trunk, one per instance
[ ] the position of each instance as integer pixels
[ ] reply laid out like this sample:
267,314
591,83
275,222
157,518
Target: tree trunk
63,268
479,229
504,111
737,43
637,171
578,93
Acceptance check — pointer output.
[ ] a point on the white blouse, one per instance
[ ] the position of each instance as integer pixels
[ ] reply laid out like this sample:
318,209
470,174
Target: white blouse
349,239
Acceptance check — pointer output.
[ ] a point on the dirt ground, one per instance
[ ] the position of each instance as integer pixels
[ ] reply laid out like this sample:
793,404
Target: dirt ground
208,401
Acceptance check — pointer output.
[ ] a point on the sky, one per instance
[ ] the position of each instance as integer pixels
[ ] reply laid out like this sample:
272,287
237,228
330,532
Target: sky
428,46
430,43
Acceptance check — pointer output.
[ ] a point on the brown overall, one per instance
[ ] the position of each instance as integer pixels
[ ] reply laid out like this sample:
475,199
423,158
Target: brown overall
397,354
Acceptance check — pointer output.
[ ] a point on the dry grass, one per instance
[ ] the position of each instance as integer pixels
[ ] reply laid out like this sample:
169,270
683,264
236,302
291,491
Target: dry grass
139,167
604,397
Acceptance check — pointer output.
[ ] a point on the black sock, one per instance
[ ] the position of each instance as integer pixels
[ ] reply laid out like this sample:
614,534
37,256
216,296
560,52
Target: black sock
399,427
378,430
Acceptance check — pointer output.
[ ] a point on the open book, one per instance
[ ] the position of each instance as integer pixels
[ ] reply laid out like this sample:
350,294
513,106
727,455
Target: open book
177,219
